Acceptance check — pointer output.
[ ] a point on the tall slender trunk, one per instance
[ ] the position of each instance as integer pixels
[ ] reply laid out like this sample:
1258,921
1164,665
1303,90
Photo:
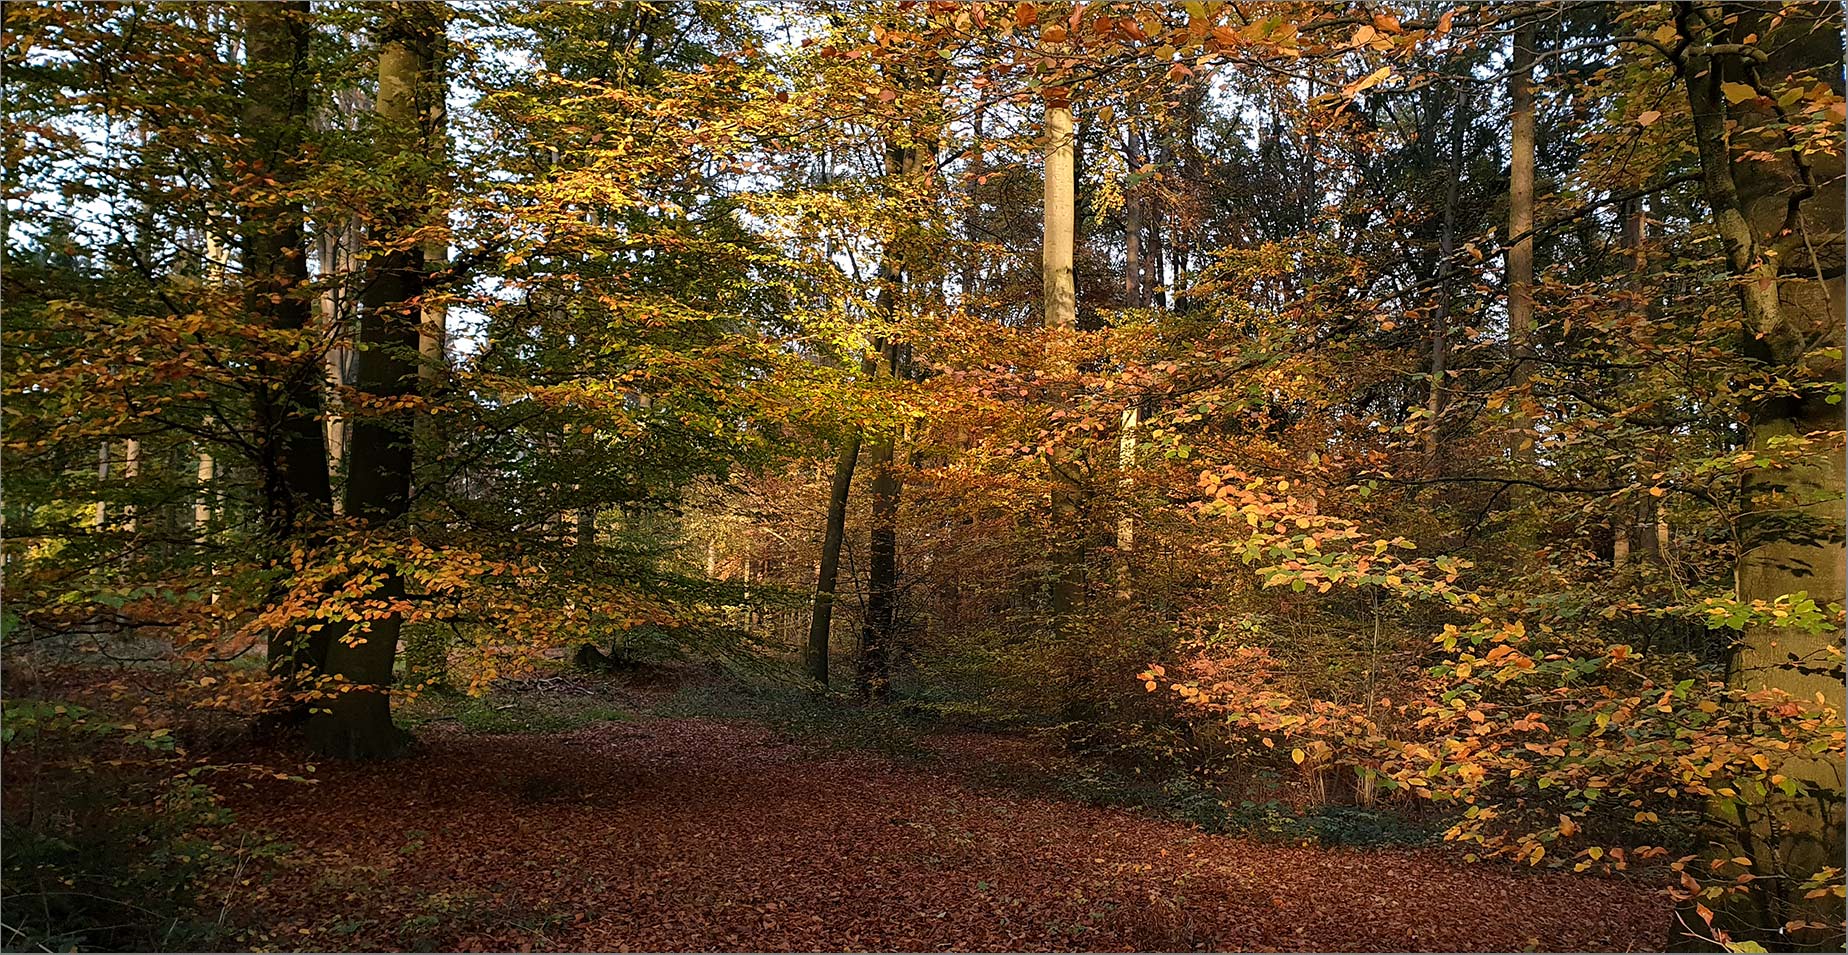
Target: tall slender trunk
1520,225
821,615
1646,511
1440,324
1132,225
1779,221
357,722
972,218
1130,423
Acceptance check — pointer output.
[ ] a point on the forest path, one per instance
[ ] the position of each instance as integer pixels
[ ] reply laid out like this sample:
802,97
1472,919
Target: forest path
691,834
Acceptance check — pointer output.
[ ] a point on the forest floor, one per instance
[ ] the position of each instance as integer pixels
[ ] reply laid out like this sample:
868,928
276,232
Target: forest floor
567,821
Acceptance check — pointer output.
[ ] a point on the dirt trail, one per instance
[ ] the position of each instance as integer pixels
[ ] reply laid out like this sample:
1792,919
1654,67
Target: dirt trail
704,835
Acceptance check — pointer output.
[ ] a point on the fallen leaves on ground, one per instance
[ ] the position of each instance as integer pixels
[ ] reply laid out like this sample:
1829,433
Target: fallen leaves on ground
679,835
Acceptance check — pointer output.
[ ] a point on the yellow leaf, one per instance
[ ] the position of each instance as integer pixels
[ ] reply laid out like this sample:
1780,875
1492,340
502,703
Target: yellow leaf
1738,92
1371,80
1298,755
1759,760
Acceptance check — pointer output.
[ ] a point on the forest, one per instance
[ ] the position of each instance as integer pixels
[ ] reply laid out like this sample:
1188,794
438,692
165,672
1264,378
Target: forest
498,475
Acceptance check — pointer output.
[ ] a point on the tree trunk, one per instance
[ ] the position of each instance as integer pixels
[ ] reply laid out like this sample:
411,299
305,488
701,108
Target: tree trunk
1061,318
1132,226
1440,325
821,616
1153,291
1780,223
336,249
1131,420
357,722
874,674
292,447
1520,224
972,218
1061,295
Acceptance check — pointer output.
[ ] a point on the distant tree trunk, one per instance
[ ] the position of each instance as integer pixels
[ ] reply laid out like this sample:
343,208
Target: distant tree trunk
204,501
131,469
821,615
357,722
102,477
1446,247
1132,226
1780,223
972,219
1131,420
336,249
1520,225
433,335
1153,290
1646,511
292,447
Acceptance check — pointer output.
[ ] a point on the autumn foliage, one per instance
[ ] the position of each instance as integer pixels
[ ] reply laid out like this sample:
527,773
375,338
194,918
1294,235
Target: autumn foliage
1428,412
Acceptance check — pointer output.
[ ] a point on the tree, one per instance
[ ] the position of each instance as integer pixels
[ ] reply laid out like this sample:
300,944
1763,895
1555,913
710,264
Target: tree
821,615
356,722
292,459
1776,201
1520,230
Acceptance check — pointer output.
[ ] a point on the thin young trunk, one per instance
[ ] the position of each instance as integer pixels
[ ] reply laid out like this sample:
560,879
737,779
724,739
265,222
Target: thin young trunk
821,616
357,721
1779,222
1128,431
1520,226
